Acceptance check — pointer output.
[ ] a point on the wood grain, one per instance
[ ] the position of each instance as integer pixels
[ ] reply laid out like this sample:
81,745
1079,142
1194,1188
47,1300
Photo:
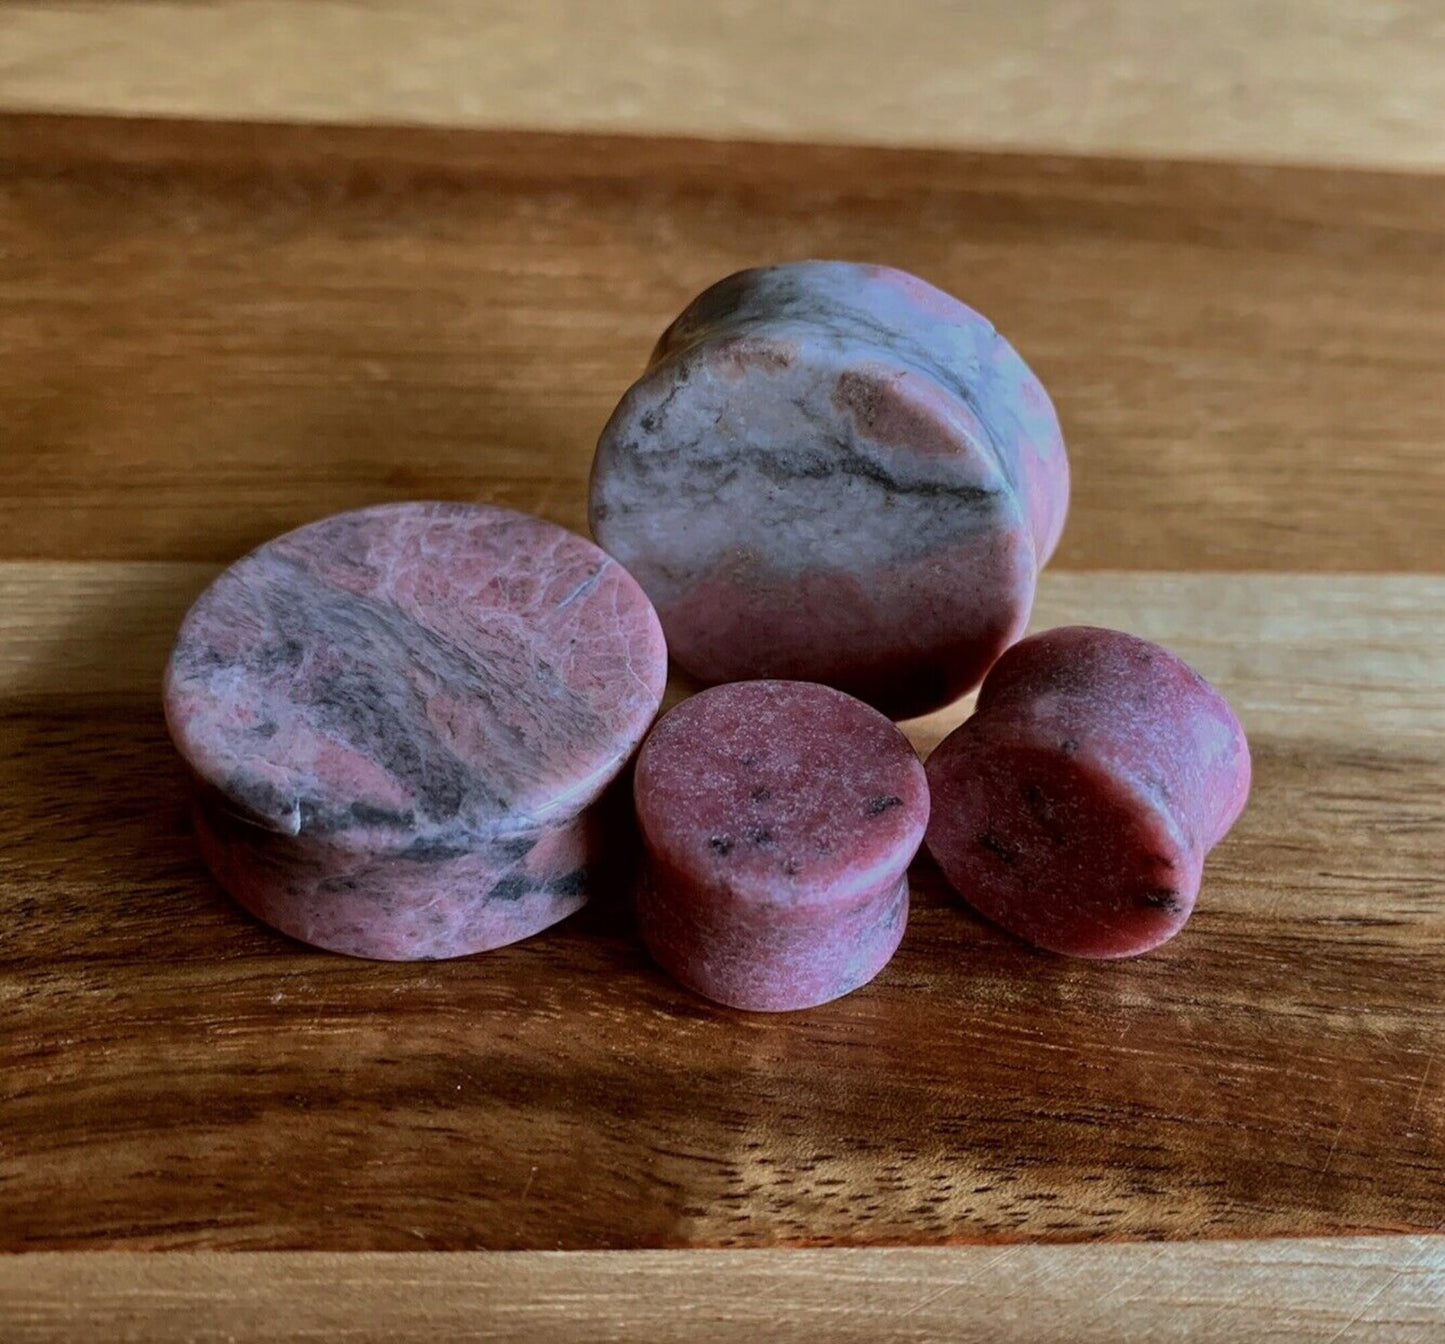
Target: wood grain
1324,80
1387,1290
213,332
1344,647
174,1075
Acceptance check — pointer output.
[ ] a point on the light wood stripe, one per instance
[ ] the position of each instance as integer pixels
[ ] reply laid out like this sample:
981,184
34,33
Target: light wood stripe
1389,1290
1296,652
1332,81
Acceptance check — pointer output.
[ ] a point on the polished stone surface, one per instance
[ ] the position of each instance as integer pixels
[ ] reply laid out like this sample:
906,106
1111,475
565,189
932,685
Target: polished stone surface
837,473
398,717
778,820
1077,805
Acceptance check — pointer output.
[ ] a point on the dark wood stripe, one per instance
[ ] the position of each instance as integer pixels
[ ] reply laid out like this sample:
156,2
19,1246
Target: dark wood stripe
213,332
173,1074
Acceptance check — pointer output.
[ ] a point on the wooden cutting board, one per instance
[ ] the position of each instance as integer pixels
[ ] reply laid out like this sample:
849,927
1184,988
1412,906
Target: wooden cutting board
212,333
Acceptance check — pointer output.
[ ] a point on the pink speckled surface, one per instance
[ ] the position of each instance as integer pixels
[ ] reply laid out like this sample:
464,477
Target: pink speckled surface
778,820
397,718
837,473
1077,805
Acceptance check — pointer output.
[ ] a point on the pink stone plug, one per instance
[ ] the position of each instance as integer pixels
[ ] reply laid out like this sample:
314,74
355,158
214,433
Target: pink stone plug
398,718
837,473
778,819
1076,806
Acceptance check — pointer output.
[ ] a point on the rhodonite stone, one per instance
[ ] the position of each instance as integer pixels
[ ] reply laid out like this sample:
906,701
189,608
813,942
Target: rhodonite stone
399,717
1076,806
836,473
778,819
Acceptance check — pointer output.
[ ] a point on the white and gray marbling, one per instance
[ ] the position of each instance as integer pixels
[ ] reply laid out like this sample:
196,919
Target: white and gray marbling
834,472
399,717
